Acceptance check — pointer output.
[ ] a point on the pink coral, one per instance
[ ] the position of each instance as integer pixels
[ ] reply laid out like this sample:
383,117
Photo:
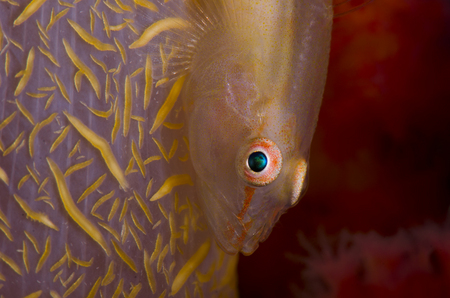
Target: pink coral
412,263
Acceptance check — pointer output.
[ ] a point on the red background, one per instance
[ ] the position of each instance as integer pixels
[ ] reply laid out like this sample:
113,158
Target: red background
380,159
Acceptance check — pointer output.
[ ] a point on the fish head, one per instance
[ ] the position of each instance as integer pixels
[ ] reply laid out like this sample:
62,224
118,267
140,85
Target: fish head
252,101
248,150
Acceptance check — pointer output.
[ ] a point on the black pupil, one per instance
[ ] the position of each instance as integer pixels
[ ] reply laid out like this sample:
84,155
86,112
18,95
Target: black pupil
257,161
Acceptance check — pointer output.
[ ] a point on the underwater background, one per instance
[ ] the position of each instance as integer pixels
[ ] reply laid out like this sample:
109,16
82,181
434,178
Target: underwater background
380,158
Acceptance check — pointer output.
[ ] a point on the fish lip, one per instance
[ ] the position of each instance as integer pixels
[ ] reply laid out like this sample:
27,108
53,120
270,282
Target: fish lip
248,248
245,241
235,232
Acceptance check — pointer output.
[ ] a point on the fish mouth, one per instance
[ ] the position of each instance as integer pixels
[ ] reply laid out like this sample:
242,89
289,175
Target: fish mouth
247,229
245,235
240,228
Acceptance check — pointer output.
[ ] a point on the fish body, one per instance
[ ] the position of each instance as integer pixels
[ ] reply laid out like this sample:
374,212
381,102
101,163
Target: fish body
125,129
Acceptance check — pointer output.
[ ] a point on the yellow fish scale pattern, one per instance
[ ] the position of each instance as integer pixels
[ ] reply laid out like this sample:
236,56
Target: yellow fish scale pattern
96,185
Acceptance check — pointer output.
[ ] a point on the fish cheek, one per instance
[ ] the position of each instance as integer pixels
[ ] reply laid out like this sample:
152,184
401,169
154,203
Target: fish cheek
215,136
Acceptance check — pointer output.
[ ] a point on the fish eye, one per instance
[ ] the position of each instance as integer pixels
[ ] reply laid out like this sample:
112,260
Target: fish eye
259,162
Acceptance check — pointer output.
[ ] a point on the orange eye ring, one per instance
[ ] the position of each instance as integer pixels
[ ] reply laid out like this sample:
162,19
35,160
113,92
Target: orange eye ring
268,162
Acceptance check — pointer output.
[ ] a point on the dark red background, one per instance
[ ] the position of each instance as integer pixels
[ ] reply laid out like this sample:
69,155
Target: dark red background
380,159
